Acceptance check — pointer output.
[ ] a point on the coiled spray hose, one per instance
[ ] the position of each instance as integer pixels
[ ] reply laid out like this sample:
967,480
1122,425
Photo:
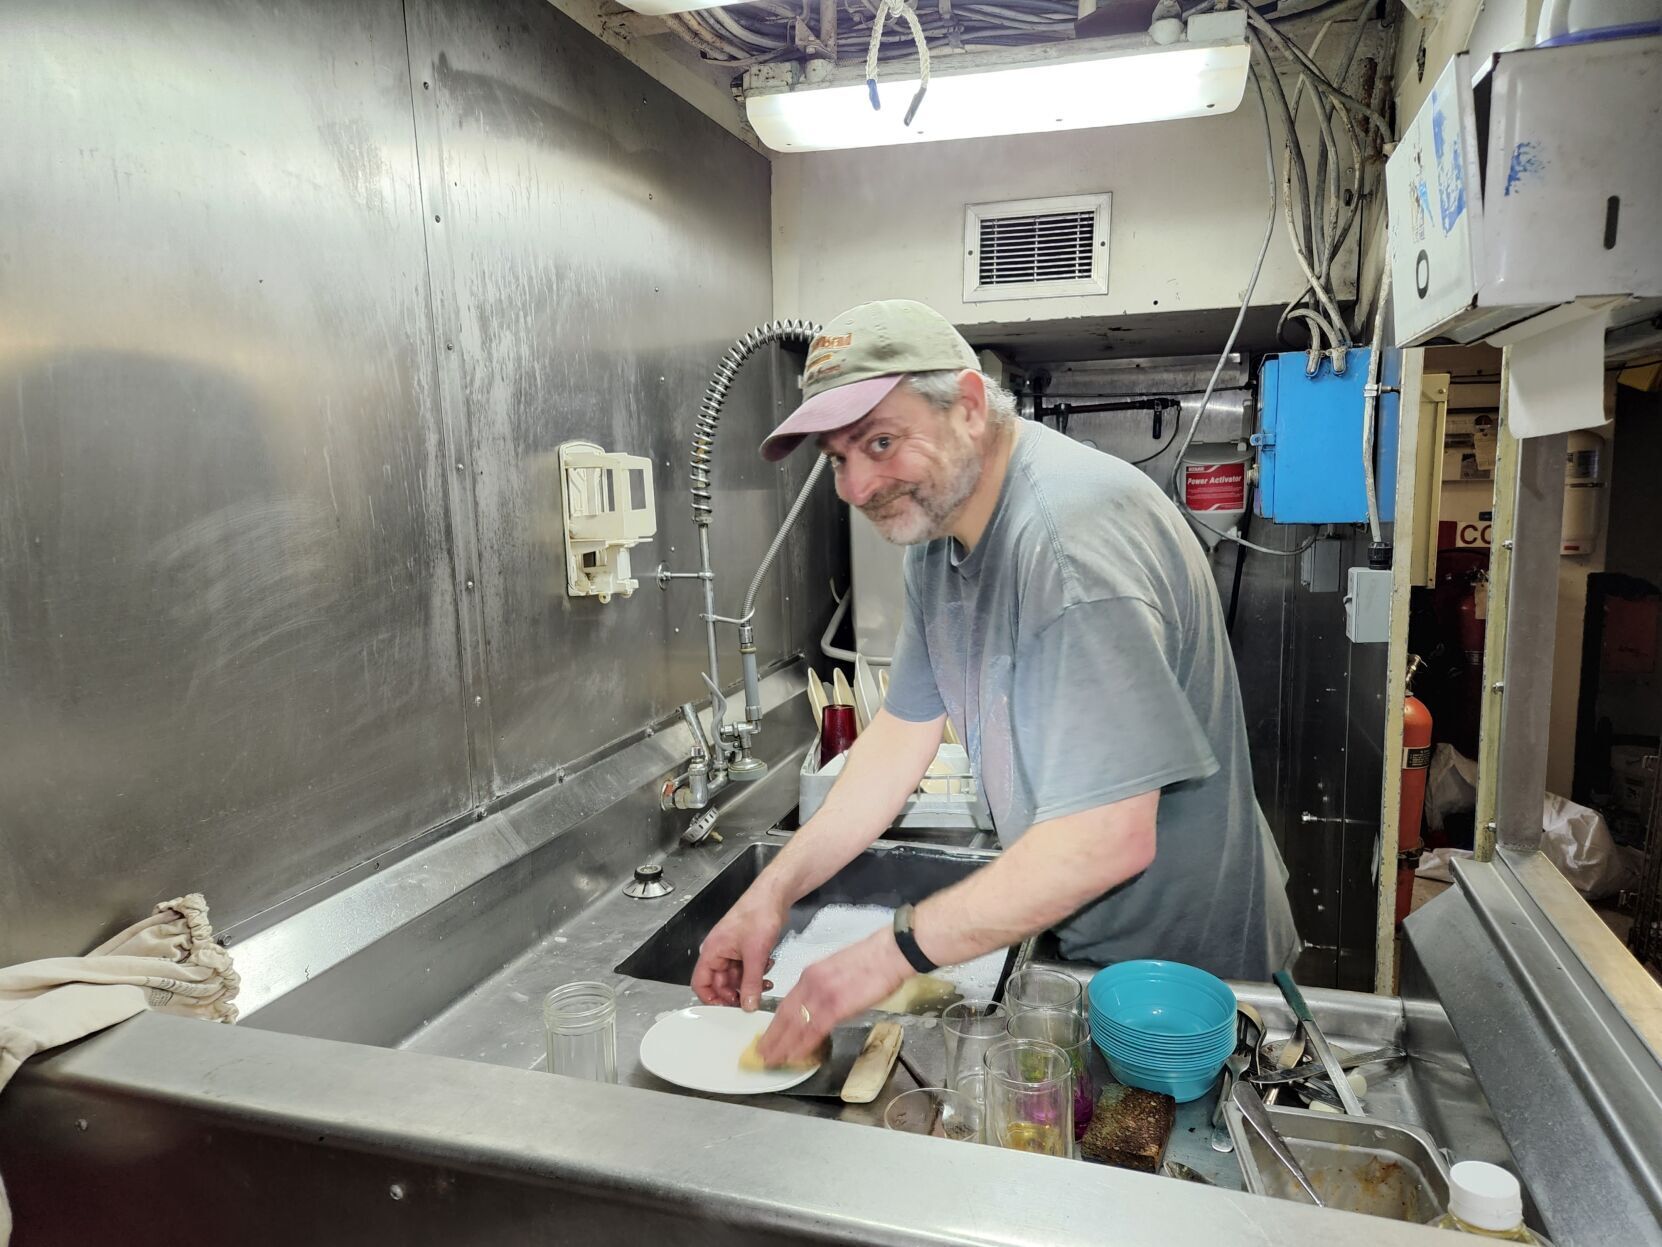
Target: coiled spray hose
785,332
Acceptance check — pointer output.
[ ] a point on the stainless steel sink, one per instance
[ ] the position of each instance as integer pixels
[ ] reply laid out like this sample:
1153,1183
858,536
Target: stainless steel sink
888,875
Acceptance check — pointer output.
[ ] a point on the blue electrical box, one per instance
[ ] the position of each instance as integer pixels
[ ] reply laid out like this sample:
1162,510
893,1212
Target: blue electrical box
1310,440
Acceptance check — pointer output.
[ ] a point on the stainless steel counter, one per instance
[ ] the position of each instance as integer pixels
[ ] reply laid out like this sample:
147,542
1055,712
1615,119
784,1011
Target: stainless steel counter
434,1122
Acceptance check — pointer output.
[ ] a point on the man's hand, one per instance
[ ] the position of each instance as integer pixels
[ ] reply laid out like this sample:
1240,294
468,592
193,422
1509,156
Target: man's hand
735,955
886,763
831,991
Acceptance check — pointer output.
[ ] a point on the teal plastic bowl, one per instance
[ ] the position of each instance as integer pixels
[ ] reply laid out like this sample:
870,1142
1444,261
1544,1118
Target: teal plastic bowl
1131,1049
1162,999
1163,1026
1182,1089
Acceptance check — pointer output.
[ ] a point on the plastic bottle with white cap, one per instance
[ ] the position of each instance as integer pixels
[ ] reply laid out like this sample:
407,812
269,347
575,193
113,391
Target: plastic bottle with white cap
1485,1201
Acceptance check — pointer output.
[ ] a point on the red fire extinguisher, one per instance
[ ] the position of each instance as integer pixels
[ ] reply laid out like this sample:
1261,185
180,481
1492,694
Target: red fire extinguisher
1416,761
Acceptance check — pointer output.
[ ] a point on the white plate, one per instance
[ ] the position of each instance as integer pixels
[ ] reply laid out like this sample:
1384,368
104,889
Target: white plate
842,693
818,698
868,700
699,1048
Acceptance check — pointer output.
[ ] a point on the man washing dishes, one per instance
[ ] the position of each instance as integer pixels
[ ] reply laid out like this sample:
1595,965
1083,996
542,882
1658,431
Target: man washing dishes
1062,614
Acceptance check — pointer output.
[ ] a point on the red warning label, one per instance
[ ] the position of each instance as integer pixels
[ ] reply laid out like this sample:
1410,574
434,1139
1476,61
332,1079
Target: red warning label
1215,486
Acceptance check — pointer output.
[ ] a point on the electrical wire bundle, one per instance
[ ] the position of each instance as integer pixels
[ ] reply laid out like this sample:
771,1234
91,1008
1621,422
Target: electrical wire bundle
1322,205
742,35
1319,218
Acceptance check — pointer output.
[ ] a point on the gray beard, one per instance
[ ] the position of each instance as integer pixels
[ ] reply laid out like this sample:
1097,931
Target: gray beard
936,502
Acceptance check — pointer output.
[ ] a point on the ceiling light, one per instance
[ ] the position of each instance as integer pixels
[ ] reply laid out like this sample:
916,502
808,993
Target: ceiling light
658,8
1074,86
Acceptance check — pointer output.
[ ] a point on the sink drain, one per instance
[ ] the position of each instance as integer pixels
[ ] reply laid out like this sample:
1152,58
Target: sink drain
648,884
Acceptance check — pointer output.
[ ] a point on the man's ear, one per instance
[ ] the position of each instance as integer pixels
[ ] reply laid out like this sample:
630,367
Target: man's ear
972,395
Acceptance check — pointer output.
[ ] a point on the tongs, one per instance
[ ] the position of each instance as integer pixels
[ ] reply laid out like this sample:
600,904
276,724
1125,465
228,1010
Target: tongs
1258,1117
1314,1069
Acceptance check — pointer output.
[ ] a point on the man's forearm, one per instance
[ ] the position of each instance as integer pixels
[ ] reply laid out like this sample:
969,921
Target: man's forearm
881,771
1055,868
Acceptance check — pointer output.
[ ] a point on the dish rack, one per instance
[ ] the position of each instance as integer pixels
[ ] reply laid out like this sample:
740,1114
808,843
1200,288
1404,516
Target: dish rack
948,799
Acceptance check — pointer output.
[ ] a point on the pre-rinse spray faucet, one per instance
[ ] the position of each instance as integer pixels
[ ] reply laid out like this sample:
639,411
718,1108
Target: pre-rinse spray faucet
724,754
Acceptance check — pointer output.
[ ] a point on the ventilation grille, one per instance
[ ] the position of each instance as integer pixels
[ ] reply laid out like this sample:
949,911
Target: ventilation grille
1034,248
1042,246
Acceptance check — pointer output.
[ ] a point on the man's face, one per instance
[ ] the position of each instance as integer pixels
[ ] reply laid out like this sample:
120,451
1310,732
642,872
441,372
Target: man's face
907,465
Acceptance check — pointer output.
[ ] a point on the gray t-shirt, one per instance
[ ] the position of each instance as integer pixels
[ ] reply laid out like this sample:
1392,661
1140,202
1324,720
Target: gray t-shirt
1081,653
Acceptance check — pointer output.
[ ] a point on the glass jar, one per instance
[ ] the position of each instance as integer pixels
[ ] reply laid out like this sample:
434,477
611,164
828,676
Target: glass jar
580,1023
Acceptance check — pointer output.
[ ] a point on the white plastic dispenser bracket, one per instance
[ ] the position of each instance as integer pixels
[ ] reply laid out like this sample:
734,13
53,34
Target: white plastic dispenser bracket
610,507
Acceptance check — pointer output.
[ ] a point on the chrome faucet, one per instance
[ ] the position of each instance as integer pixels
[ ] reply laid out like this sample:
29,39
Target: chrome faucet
724,754
708,769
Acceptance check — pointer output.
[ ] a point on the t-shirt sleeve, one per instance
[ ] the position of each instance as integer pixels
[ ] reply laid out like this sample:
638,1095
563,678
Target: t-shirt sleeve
913,694
1098,713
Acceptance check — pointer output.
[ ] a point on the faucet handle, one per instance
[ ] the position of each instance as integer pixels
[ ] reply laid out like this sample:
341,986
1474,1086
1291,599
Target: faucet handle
701,740
718,706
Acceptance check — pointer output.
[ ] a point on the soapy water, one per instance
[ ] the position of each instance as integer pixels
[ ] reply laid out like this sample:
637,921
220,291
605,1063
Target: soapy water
835,927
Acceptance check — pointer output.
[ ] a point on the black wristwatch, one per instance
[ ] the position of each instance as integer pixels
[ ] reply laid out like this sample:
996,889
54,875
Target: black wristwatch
908,942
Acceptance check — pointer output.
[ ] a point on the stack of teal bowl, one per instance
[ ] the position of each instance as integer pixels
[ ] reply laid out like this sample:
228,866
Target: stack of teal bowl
1163,1026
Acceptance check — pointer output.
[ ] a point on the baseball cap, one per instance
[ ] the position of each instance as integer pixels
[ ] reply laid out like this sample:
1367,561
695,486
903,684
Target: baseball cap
858,358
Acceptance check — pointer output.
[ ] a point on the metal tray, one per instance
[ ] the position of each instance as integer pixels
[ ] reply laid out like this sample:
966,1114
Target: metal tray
1360,1164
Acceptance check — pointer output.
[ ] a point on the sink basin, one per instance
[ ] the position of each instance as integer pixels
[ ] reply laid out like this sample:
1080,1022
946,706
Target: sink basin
882,875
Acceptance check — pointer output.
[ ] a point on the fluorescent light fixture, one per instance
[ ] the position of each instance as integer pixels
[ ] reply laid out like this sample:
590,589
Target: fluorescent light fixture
657,8
1076,86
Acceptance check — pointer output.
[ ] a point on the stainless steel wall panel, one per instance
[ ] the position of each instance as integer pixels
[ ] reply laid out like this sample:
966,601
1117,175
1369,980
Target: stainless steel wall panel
228,652
608,244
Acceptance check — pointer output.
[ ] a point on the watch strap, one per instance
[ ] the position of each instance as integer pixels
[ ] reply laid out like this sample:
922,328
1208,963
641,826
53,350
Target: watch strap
908,943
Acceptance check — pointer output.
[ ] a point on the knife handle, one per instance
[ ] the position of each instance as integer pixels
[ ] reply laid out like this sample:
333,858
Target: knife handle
1291,993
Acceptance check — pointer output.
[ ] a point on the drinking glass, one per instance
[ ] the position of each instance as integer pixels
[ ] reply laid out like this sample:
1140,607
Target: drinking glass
1037,988
936,1111
1030,1097
1066,1029
969,1028
836,733
973,1083
580,1023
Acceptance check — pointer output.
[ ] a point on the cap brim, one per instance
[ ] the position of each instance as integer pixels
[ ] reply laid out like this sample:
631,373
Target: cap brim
834,409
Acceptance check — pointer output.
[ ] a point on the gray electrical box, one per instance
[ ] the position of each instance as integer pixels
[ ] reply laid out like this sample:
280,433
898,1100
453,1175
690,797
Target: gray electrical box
1368,605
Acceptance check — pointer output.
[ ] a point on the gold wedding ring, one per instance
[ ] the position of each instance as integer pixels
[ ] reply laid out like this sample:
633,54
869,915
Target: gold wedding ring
807,1018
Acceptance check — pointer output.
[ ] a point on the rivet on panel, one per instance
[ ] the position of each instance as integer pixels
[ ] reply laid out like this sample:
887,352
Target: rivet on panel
478,700
80,1123
470,586
396,1190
